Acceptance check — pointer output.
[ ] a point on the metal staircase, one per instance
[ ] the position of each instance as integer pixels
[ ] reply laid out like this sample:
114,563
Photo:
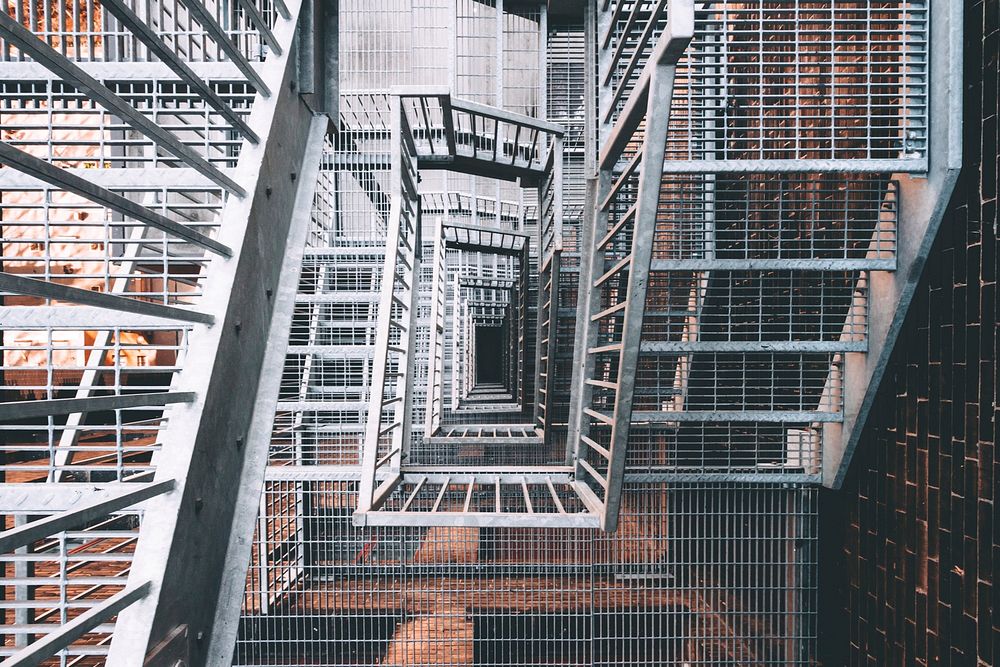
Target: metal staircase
436,131
188,319
156,231
618,242
726,314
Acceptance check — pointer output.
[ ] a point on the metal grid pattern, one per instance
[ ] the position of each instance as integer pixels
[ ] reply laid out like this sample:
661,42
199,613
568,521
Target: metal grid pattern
762,237
62,238
697,574
393,363
123,125
438,131
89,31
842,81
62,577
44,116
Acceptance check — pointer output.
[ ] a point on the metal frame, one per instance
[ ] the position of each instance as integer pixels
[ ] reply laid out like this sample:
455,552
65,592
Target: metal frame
923,201
650,96
226,355
432,130
399,290
717,375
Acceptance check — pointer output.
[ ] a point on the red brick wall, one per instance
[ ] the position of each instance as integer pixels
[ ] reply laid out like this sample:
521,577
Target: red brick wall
909,544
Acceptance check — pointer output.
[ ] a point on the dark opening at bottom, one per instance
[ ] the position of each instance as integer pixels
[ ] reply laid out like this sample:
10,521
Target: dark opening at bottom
489,355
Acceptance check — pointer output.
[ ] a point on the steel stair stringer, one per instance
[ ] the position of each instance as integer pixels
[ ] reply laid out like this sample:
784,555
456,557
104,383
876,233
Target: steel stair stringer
183,540
923,199
649,101
258,441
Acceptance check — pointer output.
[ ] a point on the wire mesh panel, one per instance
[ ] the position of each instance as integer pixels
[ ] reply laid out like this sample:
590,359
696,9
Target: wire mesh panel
842,81
713,561
697,574
52,581
773,209
124,124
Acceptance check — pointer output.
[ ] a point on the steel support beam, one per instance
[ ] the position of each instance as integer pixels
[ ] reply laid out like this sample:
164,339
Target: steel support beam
923,201
183,541
222,641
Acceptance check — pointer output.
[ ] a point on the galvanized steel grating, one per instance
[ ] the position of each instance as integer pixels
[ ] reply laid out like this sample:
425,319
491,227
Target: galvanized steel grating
575,319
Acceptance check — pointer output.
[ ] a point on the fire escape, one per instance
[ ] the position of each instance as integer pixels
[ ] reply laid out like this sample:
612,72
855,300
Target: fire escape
764,184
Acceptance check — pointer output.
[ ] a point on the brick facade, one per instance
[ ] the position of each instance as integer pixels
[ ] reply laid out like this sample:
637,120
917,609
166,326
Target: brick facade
909,544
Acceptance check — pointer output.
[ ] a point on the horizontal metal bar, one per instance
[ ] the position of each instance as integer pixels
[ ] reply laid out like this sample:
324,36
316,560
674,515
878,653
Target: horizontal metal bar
64,406
333,473
770,416
779,476
130,20
869,264
338,297
46,498
505,116
753,346
60,178
200,14
459,471
64,635
334,350
436,474
68,71
213,70
602,383
140,179
23,285
480,519
78,317
906,165
323,406
98,509
521,237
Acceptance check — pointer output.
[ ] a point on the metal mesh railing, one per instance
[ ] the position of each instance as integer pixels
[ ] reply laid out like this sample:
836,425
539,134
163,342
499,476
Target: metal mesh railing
696,574
122,126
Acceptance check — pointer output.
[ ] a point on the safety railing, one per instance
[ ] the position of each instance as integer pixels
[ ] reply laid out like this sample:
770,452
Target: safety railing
67,559
618,248
388,428
730,309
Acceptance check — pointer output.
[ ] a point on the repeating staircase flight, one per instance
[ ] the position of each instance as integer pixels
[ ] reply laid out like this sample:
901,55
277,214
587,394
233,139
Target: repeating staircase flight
212,323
